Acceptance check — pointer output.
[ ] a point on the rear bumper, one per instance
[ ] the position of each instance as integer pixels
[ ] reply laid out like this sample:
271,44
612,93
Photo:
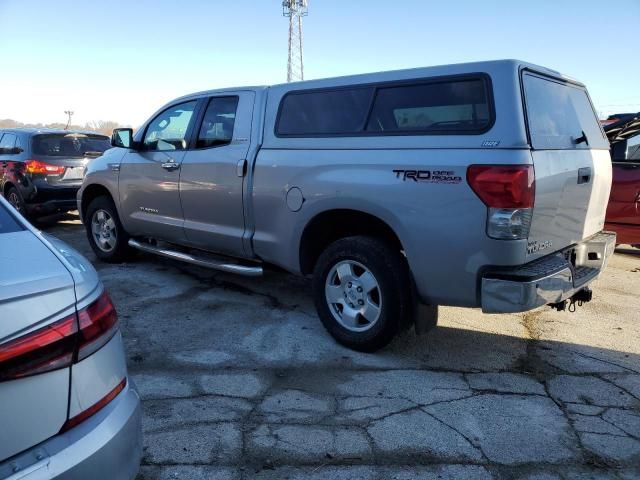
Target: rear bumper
45,198
106,446
549,280
625,233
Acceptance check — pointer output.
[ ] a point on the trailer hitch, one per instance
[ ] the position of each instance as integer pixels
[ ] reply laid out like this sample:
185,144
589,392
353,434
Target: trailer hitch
579,298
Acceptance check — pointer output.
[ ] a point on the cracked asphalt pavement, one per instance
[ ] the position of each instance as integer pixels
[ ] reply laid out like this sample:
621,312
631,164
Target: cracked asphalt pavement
239,380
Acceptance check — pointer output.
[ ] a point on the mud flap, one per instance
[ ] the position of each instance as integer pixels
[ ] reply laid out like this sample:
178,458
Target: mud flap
425,318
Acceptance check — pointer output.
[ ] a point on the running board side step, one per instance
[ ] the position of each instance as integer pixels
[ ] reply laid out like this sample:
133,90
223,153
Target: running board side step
245,270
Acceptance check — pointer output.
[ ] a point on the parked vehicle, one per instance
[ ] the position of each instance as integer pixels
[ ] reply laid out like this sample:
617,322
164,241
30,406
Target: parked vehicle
41,170
623,212
67,408
475,185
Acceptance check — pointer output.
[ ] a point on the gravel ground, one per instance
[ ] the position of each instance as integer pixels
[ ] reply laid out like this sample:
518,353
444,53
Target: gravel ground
239,380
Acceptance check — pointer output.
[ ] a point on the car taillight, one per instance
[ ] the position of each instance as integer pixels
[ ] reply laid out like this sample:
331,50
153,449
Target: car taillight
60,344
509,192
98,324
48,348
36,166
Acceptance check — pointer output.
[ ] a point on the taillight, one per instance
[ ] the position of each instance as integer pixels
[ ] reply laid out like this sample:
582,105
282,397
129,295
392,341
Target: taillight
60,344
98,324
509,192
36,166
48,348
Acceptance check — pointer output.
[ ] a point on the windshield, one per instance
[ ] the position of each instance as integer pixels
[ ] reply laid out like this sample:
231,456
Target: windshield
69,144
8,223
560,115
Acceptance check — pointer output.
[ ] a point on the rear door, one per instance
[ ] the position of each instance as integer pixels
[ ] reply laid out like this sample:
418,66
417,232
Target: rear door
624,203
212,174
35,292
571,161
149,177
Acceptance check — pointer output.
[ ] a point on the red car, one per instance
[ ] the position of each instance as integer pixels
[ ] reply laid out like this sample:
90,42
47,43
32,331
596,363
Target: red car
623,212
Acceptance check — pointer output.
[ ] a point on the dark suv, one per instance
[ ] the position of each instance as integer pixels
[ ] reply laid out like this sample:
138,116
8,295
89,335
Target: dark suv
41,169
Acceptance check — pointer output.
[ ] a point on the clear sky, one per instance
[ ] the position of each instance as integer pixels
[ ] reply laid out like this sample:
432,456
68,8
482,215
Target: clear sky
122,59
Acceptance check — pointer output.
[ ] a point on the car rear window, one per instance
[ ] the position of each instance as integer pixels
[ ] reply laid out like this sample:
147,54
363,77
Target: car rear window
456,105
8,223
69,144
560,115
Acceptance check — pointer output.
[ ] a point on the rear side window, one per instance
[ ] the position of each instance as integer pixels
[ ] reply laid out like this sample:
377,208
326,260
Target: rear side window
456,105
327,112
69,144
560,115
8,223
8,140
452,106
218,122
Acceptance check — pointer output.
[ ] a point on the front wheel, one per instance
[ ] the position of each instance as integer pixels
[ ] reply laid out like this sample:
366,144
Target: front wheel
105,233
362,292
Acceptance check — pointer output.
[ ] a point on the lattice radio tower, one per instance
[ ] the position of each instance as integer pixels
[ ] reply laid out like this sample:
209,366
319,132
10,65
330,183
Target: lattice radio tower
295,10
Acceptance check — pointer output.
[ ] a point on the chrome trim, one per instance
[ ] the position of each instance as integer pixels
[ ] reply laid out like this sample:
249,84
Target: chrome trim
511,296
245,270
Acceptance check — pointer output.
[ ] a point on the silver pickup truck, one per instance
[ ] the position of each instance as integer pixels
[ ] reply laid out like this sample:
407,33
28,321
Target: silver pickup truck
474,185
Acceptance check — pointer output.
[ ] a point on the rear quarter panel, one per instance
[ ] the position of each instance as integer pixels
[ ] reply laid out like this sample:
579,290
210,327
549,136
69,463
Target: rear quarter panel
624,202
440,225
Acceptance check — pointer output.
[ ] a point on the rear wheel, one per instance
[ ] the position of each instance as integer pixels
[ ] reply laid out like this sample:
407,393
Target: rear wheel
362,292
105,233
14,197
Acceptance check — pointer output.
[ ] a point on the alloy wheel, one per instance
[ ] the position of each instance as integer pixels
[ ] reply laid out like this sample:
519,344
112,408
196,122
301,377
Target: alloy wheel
353,295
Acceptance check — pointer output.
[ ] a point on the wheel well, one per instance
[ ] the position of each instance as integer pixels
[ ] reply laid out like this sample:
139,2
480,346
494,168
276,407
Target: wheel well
6,188
91,193
332,225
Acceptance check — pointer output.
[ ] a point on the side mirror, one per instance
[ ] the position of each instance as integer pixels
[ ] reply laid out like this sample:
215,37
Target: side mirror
122,137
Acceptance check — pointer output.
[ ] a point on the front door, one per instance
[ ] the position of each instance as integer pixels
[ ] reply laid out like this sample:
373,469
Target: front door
149,177
212,175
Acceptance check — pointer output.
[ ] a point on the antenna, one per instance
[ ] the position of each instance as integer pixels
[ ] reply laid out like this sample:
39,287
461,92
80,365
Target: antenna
295,10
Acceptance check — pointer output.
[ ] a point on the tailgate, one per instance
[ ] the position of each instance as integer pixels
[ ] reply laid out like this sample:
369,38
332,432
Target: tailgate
572,164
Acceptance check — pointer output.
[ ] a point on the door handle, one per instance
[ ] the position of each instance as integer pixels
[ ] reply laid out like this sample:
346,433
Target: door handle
170,166
241,168
584,175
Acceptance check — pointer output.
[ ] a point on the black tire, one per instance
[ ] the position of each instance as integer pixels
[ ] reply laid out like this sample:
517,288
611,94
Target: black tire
120,250
14,197
389,269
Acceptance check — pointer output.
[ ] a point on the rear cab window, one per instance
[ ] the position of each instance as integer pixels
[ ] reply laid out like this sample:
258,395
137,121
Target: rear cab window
8,223
437,106
560,115
69,145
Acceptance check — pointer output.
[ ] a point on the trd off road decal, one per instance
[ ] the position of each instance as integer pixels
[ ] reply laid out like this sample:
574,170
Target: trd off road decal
533,246
428,176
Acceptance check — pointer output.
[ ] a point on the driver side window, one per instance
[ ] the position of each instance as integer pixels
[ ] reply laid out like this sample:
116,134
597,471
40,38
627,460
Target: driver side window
168,131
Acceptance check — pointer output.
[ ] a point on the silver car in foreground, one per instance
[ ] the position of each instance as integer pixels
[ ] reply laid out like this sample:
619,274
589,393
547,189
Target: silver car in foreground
67,407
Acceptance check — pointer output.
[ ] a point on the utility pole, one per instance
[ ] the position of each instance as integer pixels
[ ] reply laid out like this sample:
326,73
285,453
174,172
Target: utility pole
295,10
69,114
